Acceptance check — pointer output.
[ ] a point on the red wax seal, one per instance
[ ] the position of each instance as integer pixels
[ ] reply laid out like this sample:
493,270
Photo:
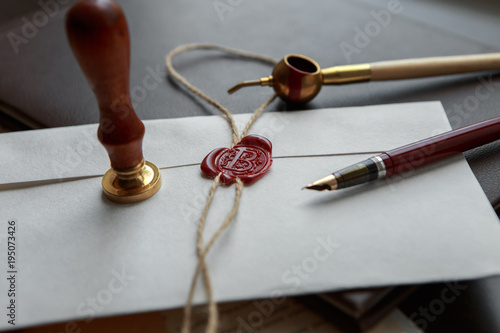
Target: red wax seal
249,160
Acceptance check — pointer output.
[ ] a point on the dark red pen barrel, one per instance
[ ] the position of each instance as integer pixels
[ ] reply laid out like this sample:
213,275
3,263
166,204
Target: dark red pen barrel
441,146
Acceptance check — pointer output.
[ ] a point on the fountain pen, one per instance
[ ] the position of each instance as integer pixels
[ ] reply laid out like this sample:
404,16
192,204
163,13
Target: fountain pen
411,156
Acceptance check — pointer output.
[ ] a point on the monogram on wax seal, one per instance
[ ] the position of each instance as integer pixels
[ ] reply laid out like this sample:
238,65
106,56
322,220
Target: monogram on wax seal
248,160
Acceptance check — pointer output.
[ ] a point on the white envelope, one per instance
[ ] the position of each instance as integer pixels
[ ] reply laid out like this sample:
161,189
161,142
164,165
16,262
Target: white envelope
77,255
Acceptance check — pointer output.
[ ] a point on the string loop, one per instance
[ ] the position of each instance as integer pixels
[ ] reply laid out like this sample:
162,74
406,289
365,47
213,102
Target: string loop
201,249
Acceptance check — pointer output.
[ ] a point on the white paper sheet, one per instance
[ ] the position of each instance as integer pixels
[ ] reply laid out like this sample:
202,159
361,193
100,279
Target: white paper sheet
69,152
79,255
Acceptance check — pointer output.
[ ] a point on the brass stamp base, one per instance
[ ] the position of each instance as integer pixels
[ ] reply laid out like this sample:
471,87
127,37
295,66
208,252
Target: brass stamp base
132,185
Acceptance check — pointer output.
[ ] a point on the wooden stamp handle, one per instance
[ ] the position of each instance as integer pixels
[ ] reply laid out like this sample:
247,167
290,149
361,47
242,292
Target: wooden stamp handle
98,34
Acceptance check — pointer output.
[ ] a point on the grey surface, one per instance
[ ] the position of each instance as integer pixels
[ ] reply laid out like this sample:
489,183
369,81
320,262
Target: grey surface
14,9
44,80
476,20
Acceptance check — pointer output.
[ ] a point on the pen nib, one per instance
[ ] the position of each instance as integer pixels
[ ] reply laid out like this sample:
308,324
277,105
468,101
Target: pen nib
316,187
327,183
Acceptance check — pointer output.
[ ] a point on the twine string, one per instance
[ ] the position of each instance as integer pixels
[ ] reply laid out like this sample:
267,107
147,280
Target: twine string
201,94
201,249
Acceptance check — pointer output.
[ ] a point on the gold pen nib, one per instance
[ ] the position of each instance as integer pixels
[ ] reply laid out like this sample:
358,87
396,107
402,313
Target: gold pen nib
327,183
